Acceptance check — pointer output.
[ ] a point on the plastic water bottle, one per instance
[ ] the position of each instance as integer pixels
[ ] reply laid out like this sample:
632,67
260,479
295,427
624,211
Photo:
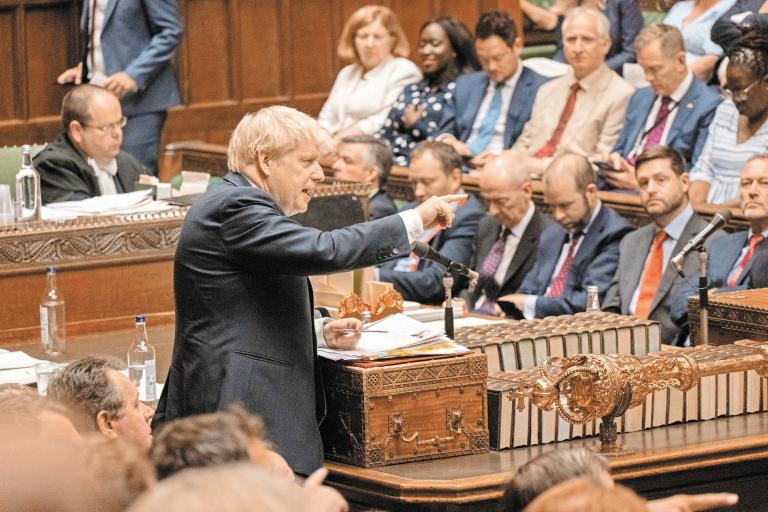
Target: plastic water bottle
28,197
142,368
593,299
52,319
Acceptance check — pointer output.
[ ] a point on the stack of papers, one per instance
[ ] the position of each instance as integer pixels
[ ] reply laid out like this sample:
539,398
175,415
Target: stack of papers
395,336
17,368
110,204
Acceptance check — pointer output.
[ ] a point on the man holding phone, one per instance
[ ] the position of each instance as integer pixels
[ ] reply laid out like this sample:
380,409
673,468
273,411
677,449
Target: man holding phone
675,110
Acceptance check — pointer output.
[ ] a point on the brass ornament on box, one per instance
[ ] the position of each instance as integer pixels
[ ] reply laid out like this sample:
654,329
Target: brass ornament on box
389,303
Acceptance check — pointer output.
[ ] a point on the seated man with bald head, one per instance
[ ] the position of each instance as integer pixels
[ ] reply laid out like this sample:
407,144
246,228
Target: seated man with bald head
85,160
581,250
508,236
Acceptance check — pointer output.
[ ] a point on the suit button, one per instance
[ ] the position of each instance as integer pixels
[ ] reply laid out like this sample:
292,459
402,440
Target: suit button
395,251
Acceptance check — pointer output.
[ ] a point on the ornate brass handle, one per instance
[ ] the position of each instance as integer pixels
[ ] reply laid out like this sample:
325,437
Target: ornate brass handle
454,419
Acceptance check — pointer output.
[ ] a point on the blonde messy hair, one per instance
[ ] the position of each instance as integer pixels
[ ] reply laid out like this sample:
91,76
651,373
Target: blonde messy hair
273,131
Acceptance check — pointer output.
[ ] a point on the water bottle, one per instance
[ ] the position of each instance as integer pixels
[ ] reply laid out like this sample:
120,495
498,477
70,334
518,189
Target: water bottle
28,197
142,369
593,299
52,319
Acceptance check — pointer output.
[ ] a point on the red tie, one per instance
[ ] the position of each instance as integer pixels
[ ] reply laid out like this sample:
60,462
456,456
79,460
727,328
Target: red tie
736,274
557,286
654,267
548,149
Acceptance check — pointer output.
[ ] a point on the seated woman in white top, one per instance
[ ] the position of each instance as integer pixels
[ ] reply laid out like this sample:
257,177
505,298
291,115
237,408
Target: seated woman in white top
740,127
364,91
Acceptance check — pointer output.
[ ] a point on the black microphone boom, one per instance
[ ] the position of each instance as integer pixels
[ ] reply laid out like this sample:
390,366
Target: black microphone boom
720,219
424,251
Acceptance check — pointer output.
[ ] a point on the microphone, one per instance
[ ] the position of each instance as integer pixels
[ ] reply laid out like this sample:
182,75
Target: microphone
424,251
720,219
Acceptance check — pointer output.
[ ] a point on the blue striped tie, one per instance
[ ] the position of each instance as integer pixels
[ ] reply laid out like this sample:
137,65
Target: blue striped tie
488,125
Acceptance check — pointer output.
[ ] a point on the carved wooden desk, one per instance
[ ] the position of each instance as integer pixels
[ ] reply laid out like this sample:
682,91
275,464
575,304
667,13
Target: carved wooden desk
110,269
728,454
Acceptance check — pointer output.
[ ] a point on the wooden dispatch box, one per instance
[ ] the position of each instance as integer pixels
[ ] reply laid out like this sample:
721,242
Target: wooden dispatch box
733,316
405,412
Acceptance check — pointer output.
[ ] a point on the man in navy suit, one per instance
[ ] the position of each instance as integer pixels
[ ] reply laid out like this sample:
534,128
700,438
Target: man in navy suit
581,250
489,108
435,171
127,48
244,313
675,110
731,256
366,159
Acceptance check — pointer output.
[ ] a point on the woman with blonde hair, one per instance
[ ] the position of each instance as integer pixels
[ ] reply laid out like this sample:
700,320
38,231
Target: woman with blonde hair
365,90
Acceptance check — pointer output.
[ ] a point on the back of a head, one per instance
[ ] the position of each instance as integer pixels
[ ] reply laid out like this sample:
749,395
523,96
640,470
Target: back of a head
549,469
122,470
228,488
204,440
587,495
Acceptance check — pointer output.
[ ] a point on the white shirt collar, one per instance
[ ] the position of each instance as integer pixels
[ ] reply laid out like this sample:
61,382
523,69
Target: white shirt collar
675,228
521,226
110,168
681,89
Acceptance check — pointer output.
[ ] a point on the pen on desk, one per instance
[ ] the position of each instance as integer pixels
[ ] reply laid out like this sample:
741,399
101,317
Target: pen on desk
354,331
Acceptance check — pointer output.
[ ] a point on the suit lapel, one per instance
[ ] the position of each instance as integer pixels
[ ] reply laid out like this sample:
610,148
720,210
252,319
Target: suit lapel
669,275
743,278
643,112
524,247
635,272
487,240
111,4
591,238
684,109
473,105
520,96
548,267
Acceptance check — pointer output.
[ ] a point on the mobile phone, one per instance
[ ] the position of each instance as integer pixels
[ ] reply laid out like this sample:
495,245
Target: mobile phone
467,158
605,166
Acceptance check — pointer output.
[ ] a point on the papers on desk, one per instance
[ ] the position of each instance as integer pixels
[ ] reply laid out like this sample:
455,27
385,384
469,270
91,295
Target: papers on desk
17,368
395,336
110,204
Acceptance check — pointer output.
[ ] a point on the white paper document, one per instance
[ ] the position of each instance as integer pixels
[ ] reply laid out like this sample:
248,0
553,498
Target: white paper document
17,368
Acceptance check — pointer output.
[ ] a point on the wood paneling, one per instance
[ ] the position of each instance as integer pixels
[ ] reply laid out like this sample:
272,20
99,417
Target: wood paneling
236,56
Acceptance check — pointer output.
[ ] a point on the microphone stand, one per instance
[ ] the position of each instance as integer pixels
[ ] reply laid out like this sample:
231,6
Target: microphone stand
703,298
448,285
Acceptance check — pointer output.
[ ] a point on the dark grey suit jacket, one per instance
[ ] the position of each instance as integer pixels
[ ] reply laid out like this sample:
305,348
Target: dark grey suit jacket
380,206
488,231
244,319
633,252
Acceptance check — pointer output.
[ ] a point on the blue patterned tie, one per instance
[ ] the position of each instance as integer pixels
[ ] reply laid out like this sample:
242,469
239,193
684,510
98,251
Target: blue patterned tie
488,125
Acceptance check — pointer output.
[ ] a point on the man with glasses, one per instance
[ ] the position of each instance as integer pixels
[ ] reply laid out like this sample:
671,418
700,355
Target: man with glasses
508,236
85,160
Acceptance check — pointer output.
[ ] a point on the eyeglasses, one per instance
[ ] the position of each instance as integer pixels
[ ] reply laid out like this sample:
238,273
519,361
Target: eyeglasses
731,94
109,128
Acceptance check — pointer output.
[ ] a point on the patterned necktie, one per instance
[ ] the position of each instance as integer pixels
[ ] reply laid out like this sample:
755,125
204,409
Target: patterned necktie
491,264
488,124
557,286
549,147
654,136
654,267
736,274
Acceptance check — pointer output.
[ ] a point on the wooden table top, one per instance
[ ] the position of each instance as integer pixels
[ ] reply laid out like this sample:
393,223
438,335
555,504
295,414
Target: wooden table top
482,478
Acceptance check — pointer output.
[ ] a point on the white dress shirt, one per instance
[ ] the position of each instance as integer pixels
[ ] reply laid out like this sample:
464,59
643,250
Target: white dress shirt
674,231
363,100
496,144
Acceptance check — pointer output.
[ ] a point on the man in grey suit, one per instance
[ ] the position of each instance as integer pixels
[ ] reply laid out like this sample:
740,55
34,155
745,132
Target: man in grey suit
508,236
244,313
644,282
366,159
127,49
